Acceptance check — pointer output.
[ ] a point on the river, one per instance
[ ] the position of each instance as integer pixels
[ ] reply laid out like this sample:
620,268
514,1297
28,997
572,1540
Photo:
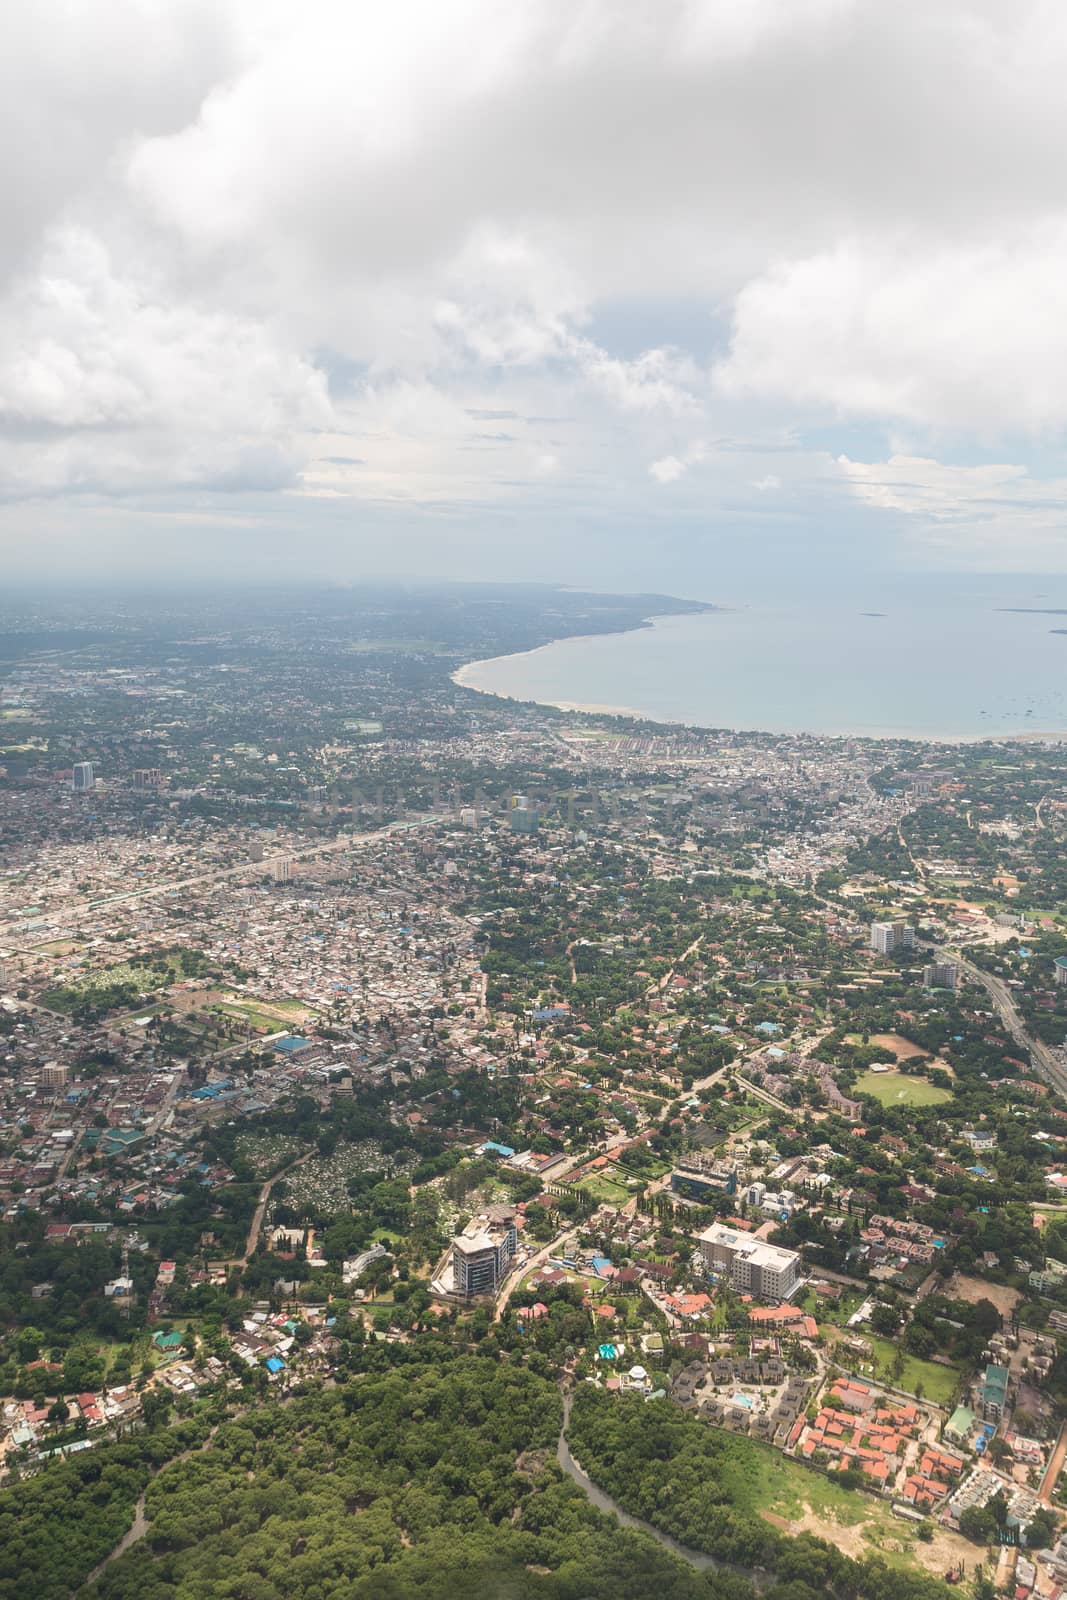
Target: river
602,1500
605,1503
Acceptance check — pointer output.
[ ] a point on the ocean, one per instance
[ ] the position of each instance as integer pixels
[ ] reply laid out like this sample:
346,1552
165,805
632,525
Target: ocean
924,659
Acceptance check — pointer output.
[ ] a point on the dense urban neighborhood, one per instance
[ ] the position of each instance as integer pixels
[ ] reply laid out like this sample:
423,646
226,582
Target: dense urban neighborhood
681,1115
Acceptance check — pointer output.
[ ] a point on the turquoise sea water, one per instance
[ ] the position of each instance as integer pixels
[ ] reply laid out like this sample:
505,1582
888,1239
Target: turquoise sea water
925,660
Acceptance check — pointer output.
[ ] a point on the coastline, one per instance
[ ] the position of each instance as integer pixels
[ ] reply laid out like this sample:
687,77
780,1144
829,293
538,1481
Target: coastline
463,678
460,679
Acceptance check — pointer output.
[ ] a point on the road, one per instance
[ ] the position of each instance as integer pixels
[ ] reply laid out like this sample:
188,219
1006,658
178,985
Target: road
1041,1056
920,872
168,1104
260,1212
555,1247
1055,1466
763,1094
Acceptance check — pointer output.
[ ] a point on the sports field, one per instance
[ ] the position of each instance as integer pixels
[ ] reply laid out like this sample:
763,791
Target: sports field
898,1089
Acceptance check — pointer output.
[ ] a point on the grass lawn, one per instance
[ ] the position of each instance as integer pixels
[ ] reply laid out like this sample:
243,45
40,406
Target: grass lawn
796,1498
605,1190
938,1382
898,1089
834,1312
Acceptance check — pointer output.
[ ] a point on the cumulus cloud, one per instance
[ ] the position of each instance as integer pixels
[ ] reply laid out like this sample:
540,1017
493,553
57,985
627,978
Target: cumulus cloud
667,469
968,337
252,249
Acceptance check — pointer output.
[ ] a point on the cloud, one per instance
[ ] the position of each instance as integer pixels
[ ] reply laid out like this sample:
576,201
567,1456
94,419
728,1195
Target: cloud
971,337
984,514
667,470
268,252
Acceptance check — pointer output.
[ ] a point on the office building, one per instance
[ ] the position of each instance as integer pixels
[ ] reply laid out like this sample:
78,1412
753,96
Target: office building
940,975
698,1176
482,1253
84,777
522,815
888,937
752,1265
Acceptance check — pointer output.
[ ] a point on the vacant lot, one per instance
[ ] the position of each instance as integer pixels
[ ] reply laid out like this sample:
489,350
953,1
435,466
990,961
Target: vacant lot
897,1046
898,1089
798,1499
974,1289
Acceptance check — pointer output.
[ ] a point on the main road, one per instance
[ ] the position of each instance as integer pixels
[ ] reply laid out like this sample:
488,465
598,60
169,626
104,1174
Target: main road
1040,1054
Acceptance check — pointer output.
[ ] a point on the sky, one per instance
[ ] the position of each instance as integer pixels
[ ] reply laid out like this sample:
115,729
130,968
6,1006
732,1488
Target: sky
684,295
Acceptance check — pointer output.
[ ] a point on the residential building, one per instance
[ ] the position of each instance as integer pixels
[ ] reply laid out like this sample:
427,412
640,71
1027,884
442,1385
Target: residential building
940,975
54,1075
147,778
992,1392
1060,969
887,937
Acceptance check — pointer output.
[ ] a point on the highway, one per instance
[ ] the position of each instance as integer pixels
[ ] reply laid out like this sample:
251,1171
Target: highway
1041,1056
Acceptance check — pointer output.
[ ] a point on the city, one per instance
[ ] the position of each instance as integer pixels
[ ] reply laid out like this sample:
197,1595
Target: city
710,1077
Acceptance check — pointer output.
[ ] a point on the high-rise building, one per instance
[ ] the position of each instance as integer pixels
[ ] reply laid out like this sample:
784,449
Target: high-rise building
482,1253
752,1265
522,815
282,869
147,778
84,778
54,1075
1060,969
886,937
940,975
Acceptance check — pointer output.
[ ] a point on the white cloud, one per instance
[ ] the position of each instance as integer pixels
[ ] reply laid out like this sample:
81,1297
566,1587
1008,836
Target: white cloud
667,470
251,246
968,337
985,514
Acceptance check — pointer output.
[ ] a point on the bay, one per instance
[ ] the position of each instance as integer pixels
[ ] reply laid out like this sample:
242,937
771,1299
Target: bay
923,660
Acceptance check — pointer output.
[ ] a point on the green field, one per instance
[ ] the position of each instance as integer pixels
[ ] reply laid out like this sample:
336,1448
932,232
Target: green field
938,1383
898,1089
605,1190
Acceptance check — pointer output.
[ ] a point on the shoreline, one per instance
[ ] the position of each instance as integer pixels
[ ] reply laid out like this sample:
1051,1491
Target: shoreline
462,677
